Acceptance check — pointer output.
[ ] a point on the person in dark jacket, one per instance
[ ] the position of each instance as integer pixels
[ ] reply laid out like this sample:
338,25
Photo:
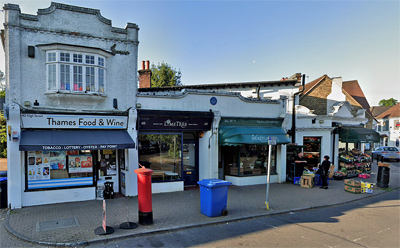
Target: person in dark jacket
324,171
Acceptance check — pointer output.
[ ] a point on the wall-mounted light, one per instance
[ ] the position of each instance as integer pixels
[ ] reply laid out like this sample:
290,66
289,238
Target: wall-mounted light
27,103
138,105
31,51
36,103
321,121
115,103
313,121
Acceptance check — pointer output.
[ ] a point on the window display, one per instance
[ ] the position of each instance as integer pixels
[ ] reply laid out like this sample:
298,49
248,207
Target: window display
253,160
49,169
161,153
312,151
108,162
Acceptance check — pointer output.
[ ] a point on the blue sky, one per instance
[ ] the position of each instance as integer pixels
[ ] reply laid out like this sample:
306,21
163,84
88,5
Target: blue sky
243,41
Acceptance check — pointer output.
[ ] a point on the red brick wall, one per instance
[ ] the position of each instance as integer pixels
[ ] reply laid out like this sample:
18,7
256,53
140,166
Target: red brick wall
145,78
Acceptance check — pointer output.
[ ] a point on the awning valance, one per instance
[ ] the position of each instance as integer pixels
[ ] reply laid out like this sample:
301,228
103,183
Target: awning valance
358,135
258,132
159,120
54,140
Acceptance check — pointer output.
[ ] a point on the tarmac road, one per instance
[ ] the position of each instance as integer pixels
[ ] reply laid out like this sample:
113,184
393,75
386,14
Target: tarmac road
370,222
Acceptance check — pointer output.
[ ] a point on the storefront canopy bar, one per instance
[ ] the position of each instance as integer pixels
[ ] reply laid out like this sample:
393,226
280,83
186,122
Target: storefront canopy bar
53,140
358,135
174,120
231,136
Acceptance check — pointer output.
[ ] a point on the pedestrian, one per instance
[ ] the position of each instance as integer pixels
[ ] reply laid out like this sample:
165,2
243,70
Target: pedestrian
323,171
300,163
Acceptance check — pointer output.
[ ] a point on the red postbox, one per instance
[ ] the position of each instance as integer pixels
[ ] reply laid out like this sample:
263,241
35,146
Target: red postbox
144,195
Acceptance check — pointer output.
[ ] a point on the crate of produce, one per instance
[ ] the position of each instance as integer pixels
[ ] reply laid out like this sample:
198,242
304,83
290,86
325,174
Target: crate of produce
353,183
307,182
297,180
351,189
364,175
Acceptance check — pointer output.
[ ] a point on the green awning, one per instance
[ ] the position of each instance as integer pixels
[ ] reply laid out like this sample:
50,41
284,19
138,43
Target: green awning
358,135
234,132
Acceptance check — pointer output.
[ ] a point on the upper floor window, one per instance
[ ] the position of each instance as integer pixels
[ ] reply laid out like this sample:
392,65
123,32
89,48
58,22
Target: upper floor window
75,72
385,125
396,125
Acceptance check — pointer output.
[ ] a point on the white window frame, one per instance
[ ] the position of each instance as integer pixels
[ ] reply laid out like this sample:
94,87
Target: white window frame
72,64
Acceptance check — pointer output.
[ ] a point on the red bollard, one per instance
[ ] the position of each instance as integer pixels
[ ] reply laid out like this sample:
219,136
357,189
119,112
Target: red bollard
144,196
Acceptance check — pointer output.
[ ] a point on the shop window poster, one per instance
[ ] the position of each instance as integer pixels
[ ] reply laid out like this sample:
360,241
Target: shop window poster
79,164
38,165
58,160
111,169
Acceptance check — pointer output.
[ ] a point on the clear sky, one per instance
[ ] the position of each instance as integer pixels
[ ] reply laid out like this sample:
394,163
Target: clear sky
245,41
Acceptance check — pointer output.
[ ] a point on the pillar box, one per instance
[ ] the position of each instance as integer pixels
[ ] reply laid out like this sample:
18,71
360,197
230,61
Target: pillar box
144,196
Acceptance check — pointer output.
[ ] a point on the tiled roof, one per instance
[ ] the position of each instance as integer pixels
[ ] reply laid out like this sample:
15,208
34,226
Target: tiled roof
377,110
392,112
355,91
311,84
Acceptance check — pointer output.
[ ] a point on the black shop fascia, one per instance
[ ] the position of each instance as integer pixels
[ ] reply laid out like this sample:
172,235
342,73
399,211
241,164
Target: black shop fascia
168,143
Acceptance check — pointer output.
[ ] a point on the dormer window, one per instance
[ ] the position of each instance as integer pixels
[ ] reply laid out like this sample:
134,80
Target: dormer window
75,72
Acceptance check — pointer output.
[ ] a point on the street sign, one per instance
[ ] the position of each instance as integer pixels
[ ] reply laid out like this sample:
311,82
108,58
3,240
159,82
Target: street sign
272,140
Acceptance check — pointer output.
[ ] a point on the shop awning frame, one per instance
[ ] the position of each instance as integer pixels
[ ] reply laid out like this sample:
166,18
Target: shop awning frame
234,136
358,135
56,140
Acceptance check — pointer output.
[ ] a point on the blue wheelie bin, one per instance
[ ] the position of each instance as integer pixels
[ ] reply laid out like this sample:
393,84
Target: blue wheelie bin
3,192
213,197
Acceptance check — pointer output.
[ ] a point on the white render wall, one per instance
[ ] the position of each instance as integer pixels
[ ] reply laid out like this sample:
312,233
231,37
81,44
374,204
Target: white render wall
26,81
228,105
26,77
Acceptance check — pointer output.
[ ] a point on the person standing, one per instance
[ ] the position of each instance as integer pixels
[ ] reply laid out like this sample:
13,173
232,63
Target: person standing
300,162
323,170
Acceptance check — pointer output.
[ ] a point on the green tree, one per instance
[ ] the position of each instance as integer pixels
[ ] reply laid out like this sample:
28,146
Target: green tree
388,102
2,82
164,75
3,136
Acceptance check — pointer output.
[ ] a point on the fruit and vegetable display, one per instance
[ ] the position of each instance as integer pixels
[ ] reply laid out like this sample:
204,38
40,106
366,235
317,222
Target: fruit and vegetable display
354,162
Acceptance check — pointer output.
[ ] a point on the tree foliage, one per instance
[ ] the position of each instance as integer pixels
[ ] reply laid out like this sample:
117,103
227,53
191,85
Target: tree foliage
388,102
164,75
2,82
3,136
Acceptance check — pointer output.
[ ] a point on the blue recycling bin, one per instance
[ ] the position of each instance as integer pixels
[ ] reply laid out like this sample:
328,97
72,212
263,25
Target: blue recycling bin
213,197
3,192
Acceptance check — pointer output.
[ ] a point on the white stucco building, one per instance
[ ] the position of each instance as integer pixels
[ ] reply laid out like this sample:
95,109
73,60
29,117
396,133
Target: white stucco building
71,78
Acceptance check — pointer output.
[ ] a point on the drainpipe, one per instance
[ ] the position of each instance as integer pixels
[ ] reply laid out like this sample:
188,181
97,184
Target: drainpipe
303,82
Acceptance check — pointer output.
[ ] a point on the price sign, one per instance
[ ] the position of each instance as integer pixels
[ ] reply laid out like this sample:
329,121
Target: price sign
271,140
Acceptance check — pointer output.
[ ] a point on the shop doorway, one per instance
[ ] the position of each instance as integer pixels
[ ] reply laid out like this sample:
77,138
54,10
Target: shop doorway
190,162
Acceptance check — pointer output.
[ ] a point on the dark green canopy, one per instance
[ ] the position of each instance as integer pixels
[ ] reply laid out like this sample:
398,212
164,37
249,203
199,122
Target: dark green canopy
233,132
358,135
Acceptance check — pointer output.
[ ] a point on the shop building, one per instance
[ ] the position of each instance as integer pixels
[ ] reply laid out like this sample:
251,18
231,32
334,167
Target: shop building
333,120
388,126
70,78
229,135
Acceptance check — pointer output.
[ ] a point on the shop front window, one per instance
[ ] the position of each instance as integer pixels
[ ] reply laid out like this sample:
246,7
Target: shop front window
252,160
58,169
108,163
161,153
312,151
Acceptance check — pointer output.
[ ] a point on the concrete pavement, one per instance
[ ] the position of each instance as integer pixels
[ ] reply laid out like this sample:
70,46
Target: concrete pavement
73,224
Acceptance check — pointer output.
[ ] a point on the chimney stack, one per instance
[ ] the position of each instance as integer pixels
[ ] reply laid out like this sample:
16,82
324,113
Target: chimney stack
145,75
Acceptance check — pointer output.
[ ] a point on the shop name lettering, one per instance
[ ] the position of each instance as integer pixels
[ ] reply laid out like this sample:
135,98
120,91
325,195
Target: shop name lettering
262,138
92,147
169,123
86,123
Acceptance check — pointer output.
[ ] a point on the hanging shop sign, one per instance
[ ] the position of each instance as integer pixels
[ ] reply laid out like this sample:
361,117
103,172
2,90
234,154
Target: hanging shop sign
73,121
